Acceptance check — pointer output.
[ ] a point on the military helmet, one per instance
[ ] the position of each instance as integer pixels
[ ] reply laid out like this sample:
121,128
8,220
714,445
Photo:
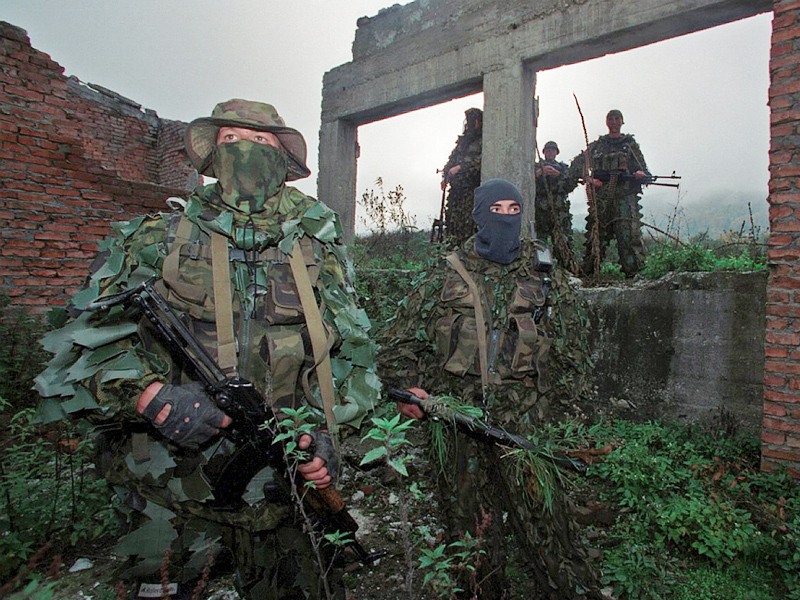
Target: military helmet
201,134
615,113
551,144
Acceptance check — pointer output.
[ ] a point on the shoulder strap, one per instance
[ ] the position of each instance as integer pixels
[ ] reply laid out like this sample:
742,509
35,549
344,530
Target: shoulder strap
316,331
480,319
223,303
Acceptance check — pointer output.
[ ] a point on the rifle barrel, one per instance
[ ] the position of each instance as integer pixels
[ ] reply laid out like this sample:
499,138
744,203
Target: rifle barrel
483,430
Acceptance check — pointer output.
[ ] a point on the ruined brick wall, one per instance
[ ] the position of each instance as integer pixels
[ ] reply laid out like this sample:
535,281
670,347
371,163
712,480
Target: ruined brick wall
74,158
781,425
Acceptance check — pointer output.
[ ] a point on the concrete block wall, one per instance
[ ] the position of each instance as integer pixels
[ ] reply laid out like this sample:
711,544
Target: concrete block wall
74,158
688,347
781,422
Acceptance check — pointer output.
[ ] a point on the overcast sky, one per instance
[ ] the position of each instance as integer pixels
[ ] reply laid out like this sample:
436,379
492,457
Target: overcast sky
696,104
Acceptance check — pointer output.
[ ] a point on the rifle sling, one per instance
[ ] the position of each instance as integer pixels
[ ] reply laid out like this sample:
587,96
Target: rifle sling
480,320
316,331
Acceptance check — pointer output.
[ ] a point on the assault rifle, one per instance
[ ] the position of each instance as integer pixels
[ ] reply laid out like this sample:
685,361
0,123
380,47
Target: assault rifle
248,409
605,176
482,430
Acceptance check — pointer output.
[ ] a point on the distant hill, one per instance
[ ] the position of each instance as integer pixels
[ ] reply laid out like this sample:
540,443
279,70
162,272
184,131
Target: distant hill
716,214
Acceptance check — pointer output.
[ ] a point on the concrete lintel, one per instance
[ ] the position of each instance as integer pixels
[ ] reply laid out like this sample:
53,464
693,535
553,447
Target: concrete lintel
466,43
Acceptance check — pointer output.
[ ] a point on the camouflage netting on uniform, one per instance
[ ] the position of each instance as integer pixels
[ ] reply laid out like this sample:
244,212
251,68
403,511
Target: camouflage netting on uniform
104,360
536,370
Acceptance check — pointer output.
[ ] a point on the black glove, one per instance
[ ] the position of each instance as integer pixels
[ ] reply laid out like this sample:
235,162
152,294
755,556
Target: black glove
193,418
323,447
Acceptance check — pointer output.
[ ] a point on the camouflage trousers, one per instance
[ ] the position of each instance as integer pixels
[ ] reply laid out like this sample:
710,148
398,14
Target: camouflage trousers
549,224
619,218
265,544
481,494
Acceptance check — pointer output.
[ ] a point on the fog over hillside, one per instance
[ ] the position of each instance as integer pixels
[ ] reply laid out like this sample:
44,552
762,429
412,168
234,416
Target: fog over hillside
671,210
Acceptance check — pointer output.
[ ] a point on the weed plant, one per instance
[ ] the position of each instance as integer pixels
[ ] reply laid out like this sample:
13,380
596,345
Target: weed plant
694,507
21,356
48,494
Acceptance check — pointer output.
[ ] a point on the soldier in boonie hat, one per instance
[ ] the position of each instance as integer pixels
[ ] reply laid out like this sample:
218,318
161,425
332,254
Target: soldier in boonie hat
201,134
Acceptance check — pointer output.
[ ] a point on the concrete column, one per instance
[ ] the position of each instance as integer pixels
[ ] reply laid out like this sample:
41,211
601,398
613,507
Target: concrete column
336,182
508,131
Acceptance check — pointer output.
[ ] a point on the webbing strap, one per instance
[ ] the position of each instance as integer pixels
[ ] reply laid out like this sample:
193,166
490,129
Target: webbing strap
480,320
316,331
223,304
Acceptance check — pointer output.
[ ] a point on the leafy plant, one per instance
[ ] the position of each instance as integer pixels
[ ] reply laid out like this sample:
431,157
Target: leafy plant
291,424
696,497
443,563
391,436
48,493
21,356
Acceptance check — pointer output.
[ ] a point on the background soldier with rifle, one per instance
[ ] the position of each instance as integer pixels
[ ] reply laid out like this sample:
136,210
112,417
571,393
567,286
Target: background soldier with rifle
250,275
463,174
615,168
480,326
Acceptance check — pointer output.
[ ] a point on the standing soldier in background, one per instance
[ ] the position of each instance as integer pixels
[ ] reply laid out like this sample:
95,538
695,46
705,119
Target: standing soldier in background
463,173
254,268
615,170
553,219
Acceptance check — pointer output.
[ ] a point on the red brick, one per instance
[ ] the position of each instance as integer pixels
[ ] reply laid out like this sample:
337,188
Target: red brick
775,424
773,438
775,410
781,454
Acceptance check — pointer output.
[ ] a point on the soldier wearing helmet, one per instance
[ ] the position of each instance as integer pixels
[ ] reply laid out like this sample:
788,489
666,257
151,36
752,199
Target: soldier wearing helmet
230,265
552,216
615,170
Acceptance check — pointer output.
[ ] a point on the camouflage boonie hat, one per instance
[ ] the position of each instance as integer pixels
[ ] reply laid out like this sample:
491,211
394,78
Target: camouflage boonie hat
615,113
553,145
201,134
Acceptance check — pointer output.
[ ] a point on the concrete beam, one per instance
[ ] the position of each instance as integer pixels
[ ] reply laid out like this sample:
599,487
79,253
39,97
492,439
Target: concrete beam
426,52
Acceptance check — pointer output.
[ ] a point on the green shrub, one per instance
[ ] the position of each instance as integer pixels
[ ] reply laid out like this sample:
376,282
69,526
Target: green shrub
697,497
48,493
21,356
664,257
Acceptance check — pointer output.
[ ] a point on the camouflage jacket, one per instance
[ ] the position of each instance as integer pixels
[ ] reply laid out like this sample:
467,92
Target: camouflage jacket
103,361
553,184
466,153
432,343
609,155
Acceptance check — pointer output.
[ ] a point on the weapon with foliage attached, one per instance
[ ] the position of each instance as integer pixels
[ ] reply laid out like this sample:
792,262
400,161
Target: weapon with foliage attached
482,430
248,409
606,176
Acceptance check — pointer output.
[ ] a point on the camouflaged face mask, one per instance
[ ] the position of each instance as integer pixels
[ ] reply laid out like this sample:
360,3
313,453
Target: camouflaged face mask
249,174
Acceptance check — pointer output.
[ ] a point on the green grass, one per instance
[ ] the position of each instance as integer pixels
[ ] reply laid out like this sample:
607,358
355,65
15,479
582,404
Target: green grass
694,514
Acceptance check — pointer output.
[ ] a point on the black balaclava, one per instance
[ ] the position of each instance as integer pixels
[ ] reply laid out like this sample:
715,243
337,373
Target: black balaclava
498,235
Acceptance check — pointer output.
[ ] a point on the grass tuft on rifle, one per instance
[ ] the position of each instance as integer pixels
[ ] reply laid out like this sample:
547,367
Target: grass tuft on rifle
533,474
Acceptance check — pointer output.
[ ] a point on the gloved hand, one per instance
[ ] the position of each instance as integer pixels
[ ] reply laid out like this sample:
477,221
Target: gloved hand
323,447
193,417
323,467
